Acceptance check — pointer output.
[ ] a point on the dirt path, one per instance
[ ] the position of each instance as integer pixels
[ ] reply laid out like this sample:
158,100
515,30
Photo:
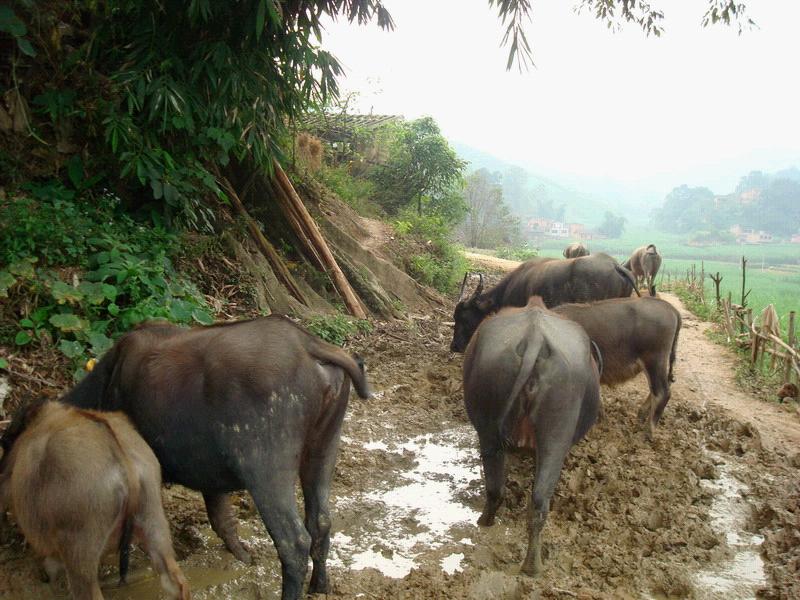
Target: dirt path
710,509
710,377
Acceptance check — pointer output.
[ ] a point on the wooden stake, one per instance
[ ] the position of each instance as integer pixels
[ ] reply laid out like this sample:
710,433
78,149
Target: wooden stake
315,237
269,252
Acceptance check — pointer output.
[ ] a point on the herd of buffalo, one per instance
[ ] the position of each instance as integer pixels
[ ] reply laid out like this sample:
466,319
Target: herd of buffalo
256,404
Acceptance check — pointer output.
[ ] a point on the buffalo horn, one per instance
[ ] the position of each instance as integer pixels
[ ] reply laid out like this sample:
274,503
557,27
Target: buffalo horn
463,285
479,289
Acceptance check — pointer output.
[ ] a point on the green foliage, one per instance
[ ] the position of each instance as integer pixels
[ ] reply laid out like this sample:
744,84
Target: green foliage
441,264
520,253
612,225
337,329
125,274
356,191
420,164
165,92
760,201
489,222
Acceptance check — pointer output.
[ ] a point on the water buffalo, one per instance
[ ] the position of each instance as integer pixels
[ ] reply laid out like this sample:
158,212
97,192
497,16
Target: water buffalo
633,334
644,263
529,380
575,250
246,405
80,484
557,281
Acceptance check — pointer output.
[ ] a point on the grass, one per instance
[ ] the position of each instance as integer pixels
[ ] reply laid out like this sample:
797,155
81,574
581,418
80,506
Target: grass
780,287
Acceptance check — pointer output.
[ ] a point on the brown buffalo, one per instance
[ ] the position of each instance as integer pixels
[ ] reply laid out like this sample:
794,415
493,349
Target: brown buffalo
575,250
644,263
633,335
80,484
557,281
248,405
530,380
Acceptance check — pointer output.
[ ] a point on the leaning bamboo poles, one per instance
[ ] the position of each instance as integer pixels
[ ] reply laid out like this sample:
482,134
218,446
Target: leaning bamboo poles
306,230
269,252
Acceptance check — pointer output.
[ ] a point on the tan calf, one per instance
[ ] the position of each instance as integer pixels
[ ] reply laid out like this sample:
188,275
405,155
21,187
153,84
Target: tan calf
80,484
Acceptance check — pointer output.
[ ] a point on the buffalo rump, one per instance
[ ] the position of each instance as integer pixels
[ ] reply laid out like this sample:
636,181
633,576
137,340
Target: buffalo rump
530,380
80,484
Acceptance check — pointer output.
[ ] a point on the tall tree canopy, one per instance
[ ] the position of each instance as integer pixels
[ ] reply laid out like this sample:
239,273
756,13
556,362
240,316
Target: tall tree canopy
162,93
421,164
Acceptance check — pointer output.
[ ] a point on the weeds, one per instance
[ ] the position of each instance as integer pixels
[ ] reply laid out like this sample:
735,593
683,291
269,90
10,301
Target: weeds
337,329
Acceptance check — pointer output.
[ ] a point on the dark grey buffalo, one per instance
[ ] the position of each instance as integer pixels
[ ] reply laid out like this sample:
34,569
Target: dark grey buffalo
575,250
529,381
247,405
557,281
633,335
644,263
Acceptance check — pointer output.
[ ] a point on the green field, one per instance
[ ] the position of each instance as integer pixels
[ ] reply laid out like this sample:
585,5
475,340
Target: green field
674,246
770,285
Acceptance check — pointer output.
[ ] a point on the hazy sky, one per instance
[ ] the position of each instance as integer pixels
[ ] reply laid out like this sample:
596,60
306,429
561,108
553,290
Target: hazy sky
697,105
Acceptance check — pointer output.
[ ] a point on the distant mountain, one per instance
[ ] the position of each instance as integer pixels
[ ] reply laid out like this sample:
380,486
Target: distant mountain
531,194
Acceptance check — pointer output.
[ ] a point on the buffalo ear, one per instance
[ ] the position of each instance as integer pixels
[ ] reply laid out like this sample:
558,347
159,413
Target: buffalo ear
485,305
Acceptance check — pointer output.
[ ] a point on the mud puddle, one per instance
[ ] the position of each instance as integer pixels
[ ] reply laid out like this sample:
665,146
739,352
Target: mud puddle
420,514
741,575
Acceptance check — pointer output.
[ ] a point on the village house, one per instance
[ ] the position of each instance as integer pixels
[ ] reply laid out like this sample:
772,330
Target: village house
748,235
539,225
559,229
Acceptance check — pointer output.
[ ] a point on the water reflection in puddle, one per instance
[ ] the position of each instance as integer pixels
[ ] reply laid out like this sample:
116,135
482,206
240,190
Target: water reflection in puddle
419,515
739,577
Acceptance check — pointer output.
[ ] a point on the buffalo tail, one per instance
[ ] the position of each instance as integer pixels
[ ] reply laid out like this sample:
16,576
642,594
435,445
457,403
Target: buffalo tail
626,274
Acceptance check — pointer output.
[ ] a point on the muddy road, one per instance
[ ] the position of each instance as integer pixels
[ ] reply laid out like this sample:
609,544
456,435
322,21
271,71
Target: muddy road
708,510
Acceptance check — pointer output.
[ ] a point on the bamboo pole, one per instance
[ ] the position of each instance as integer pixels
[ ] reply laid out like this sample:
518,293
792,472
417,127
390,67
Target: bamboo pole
269,252
787,372
339,280
296,223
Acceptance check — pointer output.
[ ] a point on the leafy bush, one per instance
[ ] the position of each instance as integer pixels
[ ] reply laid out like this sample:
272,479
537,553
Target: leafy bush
520,253
442,264
118,272
356,191
337,329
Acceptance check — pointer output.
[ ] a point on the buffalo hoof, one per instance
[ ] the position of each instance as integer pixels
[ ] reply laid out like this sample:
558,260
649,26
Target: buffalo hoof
318,587
530,569
486,521
242,552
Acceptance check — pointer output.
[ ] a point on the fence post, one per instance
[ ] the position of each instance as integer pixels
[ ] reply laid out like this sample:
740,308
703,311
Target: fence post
753,335
790,338
744,279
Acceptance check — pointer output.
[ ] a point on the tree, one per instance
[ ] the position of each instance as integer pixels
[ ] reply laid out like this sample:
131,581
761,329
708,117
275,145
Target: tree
421,164
686,209
489,221
159,95
612,225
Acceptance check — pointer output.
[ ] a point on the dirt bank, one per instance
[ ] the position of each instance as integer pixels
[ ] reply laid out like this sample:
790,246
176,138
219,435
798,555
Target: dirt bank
629,519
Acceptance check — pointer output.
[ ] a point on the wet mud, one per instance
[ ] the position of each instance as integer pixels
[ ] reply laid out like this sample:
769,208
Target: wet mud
704,511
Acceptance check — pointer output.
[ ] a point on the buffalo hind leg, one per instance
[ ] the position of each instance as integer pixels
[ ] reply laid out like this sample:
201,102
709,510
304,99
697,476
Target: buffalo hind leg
651,410
550,454
315,475
273,493
494,474
81,562
220,515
